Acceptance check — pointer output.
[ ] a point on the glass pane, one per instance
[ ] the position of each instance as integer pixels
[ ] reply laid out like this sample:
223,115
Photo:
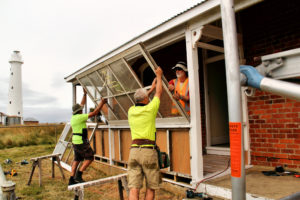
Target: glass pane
110,81
125,102
124,75
116,109
91,89
98,83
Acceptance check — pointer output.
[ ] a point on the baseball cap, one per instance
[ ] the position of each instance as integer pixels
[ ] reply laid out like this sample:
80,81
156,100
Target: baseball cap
181,65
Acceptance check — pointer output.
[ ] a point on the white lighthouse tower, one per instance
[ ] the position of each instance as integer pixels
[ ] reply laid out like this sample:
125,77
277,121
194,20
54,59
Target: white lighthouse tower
15,100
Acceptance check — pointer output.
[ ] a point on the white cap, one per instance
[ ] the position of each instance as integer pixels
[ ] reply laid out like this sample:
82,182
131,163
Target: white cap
180,65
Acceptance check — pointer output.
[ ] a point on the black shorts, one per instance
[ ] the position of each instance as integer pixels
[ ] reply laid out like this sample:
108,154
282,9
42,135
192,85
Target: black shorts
83,152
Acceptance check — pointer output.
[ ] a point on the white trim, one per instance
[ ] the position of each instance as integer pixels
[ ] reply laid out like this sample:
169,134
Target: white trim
196,161
119,136
218,150
111,146
207,113
168,145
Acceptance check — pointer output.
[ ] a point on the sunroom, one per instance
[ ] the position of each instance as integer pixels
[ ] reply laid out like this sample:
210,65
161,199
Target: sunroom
198,144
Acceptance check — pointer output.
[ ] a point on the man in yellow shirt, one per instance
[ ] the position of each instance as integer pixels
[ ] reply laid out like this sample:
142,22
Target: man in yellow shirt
81,145
143,158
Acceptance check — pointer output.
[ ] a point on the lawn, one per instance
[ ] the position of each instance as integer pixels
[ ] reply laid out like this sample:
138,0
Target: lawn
56,189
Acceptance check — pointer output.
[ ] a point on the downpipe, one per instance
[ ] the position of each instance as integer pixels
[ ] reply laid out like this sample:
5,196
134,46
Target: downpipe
251,77
7,190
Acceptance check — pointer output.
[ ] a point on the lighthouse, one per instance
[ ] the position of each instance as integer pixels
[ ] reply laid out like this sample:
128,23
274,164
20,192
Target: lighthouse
15,100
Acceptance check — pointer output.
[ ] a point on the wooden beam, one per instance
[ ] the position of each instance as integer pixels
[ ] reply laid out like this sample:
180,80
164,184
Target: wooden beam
210,47
214,59
44,157
212,32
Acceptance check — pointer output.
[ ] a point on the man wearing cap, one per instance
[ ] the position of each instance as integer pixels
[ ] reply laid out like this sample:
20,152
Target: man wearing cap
81,145
180,88
143,158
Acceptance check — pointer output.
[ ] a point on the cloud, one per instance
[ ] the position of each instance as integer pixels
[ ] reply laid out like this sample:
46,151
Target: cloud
34,98
48,114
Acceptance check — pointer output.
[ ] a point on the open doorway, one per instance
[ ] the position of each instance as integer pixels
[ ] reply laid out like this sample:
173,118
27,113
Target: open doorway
217,109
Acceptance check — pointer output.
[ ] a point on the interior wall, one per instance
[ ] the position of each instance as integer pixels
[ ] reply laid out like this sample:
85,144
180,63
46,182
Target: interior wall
218,107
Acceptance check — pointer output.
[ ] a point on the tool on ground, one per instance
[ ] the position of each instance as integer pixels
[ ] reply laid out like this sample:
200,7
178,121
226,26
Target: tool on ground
192,194
23,162
12,172
8,161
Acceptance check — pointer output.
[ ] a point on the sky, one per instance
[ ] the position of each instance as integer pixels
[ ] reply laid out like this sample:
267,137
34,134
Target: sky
58,37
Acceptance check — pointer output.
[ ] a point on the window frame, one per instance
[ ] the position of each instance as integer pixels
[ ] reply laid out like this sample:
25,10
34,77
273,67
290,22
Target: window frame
125,56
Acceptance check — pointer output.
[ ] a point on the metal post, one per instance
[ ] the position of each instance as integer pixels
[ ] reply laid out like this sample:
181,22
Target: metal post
234,100
7,190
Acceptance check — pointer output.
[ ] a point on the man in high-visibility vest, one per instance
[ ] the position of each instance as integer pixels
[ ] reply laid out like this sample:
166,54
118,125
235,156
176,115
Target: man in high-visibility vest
180,88
81,146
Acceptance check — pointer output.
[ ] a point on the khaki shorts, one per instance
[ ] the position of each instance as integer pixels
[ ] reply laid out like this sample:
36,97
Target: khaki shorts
143,162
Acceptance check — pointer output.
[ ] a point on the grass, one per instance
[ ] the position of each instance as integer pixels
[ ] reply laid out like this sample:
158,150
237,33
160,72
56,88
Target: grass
27,135
26,143
56,188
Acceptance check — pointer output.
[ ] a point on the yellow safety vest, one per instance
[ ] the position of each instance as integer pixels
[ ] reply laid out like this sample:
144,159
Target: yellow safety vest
183,91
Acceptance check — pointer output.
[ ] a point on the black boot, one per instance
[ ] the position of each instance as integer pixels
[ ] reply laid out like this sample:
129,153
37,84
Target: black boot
78,177
72,181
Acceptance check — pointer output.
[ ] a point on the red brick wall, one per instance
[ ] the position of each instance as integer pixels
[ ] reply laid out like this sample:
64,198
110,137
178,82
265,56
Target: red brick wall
270,27
274,130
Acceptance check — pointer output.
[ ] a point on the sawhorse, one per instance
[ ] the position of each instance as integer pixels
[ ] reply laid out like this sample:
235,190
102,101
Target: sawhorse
122,184
38,162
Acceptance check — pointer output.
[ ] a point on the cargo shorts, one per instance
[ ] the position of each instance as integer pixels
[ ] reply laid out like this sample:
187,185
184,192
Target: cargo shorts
83,152
143,162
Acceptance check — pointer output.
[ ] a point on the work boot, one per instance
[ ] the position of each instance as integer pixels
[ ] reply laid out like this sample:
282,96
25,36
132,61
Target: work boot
72,181
78,177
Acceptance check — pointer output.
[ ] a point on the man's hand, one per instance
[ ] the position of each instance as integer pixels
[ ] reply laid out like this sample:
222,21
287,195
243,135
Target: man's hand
176,96
158,71
171,87
104,100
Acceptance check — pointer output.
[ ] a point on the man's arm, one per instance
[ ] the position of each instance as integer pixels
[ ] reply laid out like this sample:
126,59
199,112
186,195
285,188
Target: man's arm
152,87
96,111
83,100
158,73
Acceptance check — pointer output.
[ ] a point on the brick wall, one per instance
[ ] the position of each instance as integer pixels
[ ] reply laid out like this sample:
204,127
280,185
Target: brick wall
270,27
274,130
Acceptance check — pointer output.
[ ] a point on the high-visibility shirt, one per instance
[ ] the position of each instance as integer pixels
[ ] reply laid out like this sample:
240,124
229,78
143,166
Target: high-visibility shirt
142,120
183,90
78,122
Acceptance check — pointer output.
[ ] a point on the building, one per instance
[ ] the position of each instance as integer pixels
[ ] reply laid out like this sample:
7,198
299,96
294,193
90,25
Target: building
15,98
270,122
2,118
31,121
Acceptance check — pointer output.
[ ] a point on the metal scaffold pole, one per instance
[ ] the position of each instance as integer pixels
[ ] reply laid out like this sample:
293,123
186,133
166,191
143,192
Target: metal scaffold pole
234,100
